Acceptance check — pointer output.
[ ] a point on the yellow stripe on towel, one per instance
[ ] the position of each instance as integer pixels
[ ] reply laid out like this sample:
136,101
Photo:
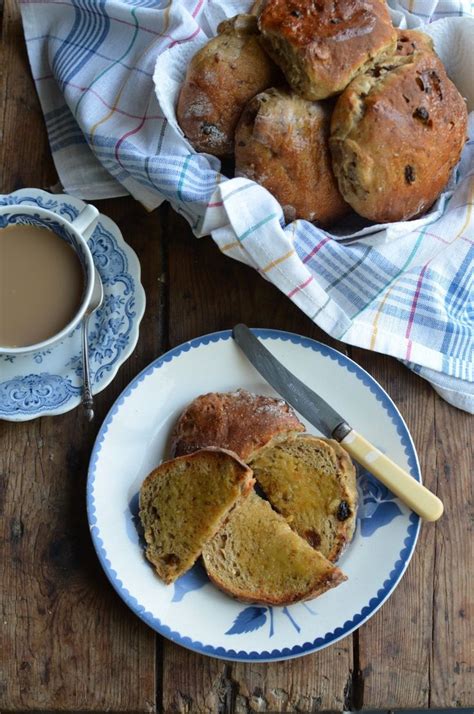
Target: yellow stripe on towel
277,261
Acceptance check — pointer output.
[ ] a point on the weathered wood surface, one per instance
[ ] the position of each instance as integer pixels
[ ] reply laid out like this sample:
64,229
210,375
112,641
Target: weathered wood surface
452,645
68,643
394,646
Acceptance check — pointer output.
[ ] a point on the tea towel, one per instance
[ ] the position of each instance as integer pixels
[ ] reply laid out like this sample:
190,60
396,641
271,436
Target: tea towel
107,73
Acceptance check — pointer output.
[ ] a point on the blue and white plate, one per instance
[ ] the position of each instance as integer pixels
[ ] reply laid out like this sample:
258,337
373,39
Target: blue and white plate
50,382
192,612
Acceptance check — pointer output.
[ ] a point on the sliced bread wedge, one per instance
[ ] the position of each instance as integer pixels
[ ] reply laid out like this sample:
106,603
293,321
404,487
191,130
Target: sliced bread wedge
312,483
256,557
184,502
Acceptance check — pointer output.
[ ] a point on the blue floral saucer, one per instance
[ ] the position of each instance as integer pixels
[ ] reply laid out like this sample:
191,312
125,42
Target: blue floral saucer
50,382
192,612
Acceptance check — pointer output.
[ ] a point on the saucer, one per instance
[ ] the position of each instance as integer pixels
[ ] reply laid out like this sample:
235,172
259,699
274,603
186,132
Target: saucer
50,381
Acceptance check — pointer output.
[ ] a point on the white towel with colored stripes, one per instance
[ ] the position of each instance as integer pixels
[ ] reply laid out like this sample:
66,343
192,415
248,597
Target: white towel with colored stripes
107,73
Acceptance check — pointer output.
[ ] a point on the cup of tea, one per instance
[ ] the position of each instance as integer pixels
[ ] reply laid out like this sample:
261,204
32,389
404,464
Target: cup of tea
46,276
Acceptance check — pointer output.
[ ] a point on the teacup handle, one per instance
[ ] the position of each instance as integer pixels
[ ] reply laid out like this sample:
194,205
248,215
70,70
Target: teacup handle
86,221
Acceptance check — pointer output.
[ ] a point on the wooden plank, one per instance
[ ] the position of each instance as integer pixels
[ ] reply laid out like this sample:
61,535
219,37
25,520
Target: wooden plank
452,650
322,681
24,153
68,641
195,684
208,291
393,666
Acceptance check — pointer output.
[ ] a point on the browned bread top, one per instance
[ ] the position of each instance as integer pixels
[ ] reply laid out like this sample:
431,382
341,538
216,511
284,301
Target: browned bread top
321,45
396,133
411,41
220,79
303,21
282,143
239,421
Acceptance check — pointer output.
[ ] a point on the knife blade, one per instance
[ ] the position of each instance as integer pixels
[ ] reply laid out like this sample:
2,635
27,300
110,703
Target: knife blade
309,404
332,424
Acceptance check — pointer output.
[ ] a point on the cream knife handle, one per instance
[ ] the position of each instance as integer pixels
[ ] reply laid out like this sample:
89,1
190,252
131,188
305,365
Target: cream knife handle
411,492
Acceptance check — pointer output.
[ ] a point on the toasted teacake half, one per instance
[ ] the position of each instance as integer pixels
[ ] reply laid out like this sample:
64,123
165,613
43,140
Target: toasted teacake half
312,483
256,557
184,502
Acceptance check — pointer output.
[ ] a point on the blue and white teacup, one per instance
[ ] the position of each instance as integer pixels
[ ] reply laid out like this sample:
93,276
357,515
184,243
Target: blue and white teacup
76,234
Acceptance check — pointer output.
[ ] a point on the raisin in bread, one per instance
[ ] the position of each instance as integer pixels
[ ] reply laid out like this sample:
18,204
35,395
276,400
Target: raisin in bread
322,46
312,483
397,132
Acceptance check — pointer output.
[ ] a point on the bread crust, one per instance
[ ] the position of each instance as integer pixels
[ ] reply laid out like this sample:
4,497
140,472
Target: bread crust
282,143
257,7
249,482
411,41
239,421
321,45
348,471
396,133
221,77
332,580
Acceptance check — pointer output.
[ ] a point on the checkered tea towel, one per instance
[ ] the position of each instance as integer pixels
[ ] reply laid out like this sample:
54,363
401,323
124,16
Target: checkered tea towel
107,74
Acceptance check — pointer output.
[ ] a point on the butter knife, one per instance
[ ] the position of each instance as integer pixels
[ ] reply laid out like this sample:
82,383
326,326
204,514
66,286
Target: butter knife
317,411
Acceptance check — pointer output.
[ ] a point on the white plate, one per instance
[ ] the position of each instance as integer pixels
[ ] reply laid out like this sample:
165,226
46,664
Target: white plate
192,612
50,382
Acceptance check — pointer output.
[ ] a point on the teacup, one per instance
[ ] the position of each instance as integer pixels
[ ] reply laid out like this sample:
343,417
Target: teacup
75,233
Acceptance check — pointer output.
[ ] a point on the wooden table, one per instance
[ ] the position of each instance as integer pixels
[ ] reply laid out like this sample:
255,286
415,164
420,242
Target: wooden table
68,641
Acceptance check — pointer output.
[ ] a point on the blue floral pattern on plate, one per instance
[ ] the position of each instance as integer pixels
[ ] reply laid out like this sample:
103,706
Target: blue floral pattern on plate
377,508
249,618
50,381
194,579
377,505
